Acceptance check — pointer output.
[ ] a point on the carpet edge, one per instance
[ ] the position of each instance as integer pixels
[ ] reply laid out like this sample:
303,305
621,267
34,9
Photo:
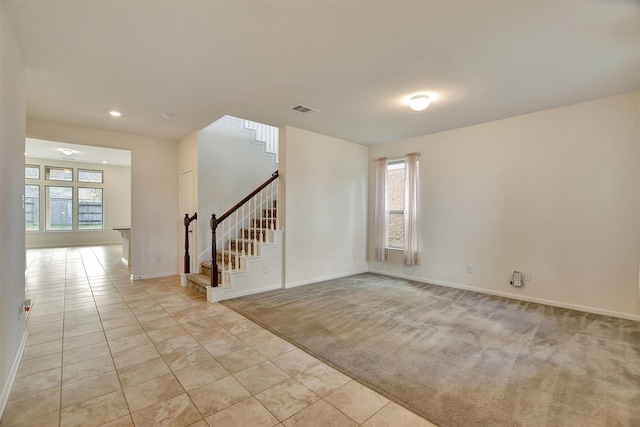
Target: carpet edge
327,362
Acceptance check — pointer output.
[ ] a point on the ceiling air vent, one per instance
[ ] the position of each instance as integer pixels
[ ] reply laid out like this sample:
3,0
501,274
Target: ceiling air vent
304,109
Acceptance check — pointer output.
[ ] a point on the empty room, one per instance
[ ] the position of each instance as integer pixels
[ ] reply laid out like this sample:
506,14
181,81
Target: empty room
357,213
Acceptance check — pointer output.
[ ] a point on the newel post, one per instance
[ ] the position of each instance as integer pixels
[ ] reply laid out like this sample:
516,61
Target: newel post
214,252
187,258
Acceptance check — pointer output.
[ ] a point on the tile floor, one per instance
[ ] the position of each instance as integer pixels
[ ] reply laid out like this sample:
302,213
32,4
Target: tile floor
107,351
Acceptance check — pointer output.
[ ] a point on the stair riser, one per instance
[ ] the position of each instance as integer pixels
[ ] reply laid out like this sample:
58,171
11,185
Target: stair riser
245,247
260,235
269,213
264,223
196,287
237,263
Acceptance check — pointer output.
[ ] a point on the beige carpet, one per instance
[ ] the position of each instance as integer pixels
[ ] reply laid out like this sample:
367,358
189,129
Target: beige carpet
460,358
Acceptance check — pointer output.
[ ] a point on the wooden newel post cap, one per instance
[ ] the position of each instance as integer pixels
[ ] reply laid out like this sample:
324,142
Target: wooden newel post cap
185,221
214,222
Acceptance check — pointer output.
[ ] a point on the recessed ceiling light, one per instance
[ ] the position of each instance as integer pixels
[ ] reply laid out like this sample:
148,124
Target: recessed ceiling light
25,154
419,102
167,116
67,152
115,113
104,161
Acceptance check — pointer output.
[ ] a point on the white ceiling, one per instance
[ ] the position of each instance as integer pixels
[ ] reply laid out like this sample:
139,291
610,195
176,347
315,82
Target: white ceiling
41,149
355,61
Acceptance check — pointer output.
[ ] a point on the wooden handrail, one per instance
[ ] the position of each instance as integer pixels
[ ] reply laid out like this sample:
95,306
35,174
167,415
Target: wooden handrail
187,259
228,213
215,221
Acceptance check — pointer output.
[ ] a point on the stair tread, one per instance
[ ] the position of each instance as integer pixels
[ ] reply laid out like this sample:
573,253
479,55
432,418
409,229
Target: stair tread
233,252
200,279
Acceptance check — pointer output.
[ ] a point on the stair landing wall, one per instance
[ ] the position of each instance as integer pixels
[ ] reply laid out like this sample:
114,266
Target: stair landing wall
230,163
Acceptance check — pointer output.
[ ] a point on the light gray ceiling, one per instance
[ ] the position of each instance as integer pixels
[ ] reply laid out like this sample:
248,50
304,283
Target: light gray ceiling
356,62
41,149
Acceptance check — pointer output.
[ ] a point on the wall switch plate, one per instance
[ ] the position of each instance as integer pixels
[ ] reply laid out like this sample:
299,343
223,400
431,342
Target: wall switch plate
527,275
469,268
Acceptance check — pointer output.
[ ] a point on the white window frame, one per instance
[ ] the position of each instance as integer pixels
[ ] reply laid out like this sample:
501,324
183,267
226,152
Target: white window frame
77,217
37,212
393,162
80,170
47,173
47,215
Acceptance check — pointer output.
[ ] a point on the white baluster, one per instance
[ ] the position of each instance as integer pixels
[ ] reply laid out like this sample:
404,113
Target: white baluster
254,250
278,206
271,222
244,249
261,238
221,265
237,253
254,241
229,266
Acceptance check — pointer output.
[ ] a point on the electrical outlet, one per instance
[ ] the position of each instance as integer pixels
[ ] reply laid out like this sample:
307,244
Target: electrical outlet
265,268
469,268
527,275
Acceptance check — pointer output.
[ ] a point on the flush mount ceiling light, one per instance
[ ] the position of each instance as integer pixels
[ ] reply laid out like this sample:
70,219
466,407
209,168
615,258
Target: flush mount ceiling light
67,152
419,102
115,113
167,116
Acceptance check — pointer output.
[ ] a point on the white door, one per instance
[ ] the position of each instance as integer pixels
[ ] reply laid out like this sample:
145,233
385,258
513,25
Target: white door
188,206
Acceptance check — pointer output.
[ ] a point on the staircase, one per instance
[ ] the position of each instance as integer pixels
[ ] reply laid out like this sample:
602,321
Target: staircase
249,261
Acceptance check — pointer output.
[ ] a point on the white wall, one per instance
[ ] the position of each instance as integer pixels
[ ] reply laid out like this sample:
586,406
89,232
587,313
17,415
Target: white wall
553,192
325,182
188,161
116,202
154,190
230,166
12,255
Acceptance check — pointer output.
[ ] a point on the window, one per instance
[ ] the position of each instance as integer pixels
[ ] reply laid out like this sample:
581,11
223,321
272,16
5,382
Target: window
32,207
87,175
395,204
89,208
59,208
53,173
396,208
69,206
32,172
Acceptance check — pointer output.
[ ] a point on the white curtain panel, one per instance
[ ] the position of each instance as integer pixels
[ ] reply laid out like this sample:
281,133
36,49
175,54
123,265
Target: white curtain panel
382,253
411,247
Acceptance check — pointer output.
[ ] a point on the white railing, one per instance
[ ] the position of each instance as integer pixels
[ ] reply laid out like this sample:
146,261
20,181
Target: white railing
243,229
264,133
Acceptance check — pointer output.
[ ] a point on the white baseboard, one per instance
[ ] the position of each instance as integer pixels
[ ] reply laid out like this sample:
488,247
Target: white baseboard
586,309
155,275
322,279
232,294
223,293
8,385
73,245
